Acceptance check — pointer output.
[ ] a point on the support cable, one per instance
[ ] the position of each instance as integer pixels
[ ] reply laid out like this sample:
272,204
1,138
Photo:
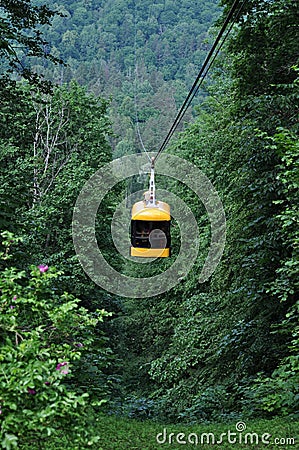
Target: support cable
214,57
136,89
204,69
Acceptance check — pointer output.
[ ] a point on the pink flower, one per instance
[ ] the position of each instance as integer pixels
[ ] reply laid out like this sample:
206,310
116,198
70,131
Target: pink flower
63,364
14,297
43,268
12,307
31,391
59,365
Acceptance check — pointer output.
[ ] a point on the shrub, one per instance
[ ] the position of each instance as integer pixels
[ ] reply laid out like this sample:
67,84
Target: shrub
44,335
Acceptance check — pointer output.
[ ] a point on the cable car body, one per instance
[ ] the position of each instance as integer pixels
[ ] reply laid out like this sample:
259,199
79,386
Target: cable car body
150,230
150,226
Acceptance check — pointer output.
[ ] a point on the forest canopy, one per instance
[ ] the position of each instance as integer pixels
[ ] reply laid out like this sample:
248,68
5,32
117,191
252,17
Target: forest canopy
221,350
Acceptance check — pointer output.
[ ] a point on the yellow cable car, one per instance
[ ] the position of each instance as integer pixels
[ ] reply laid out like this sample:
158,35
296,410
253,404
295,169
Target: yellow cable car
150,226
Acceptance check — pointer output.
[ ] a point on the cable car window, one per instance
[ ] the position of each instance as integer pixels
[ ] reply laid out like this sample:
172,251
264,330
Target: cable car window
150,234
142,228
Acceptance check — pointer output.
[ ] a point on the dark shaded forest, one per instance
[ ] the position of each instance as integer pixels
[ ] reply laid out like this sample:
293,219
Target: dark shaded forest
79,81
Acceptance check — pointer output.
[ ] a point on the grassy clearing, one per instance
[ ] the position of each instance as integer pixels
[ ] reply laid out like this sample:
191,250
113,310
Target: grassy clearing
120,434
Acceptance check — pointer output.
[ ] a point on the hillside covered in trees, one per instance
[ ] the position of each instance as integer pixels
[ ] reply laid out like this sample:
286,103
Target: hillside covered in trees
76,78
142,55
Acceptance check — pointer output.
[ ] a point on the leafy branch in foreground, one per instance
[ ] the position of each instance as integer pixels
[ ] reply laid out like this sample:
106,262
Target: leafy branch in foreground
46,338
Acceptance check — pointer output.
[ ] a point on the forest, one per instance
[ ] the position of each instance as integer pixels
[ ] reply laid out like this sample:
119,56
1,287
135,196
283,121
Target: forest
87,87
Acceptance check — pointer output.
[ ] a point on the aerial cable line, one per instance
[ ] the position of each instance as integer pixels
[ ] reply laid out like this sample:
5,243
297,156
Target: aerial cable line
137,118
204,70
214,57
135,90
136,114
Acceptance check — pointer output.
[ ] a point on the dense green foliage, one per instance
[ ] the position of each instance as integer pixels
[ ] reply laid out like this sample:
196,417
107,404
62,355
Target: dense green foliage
225,349
208,351
21,39
143,54
280,392
50,145
46,340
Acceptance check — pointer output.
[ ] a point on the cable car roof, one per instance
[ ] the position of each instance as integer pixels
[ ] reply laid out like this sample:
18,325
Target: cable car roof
159,212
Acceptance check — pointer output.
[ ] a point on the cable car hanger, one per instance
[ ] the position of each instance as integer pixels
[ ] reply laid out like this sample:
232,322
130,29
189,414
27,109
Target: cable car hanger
150,219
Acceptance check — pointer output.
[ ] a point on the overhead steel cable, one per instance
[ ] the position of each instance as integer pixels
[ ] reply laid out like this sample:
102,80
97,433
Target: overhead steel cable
214,57
232,16
136,89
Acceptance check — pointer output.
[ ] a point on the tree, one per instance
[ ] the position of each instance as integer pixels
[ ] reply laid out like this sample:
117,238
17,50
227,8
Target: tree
21,38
